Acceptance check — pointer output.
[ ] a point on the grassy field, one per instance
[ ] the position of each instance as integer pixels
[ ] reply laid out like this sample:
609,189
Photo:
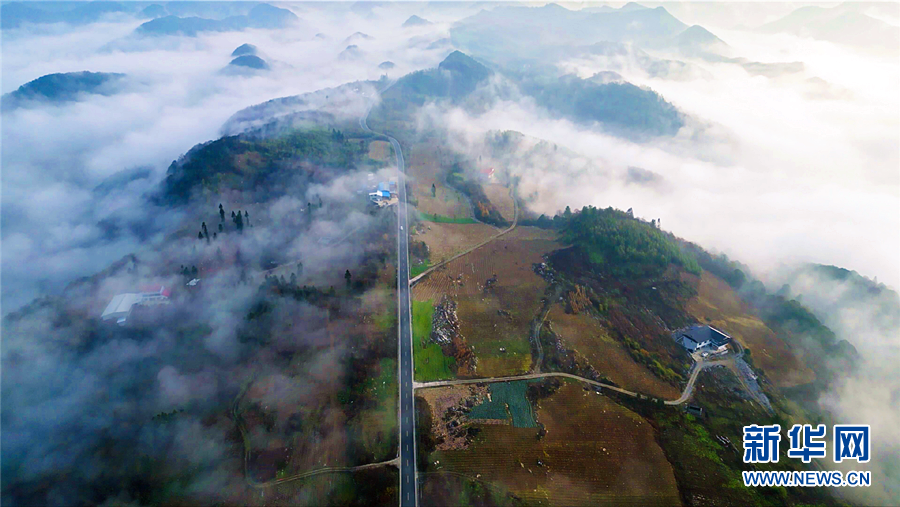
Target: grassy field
594,452
496,321
441,219
607,355
375,487
426,168
418,268
429,360
717,304
381,151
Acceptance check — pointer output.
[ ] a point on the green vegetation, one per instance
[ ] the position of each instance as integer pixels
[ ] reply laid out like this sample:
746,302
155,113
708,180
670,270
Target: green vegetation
623,246
418,268
616,105
508,401
447,220
430,361
651,361
457,76
482,207
239,162
63,87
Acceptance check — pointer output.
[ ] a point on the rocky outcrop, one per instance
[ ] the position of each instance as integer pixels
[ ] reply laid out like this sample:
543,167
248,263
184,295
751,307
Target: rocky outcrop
446,333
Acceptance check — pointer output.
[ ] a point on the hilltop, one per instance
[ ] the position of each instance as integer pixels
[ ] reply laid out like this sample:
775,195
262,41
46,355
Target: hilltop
63,87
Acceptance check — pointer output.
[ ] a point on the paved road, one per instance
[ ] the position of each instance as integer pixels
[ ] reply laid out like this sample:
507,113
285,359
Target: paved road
407,412
685,395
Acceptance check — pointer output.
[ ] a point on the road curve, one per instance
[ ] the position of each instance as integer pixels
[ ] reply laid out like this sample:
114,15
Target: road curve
407,413
685,395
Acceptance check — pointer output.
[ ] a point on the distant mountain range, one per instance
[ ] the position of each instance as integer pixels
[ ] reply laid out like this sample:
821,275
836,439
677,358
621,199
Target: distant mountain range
845,24
260,16
500,34
16,14
60,88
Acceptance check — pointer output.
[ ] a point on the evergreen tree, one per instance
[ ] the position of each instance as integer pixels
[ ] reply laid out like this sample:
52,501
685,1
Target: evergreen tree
221,228
433,190
205,231
194,271
200,235
221,213
568,212
347,277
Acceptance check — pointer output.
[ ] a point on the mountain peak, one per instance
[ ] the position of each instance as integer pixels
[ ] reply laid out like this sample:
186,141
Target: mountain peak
416,21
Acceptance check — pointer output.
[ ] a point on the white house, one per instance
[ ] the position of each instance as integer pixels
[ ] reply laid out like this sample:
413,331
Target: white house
119,309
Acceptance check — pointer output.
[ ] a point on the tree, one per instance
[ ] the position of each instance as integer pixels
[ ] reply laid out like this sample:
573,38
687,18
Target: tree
293,279
221,228
205,231
347,277
214,235
320,202
221,214
567,213
200,235
653,223
433,190
194,271
232,214
247,216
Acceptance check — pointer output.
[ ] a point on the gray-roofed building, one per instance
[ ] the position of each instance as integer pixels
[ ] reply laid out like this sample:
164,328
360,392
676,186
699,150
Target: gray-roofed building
697,337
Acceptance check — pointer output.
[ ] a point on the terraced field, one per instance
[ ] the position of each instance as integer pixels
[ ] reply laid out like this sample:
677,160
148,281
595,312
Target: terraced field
607,355
594,452
717,304
498,295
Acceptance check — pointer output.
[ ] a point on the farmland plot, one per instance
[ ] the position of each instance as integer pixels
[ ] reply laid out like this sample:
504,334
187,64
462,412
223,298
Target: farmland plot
498,295
606,354
717,304
425,169
446,240
380,151
594,452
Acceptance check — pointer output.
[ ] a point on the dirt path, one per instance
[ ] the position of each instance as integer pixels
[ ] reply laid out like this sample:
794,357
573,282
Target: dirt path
538,324
319,471
413,281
